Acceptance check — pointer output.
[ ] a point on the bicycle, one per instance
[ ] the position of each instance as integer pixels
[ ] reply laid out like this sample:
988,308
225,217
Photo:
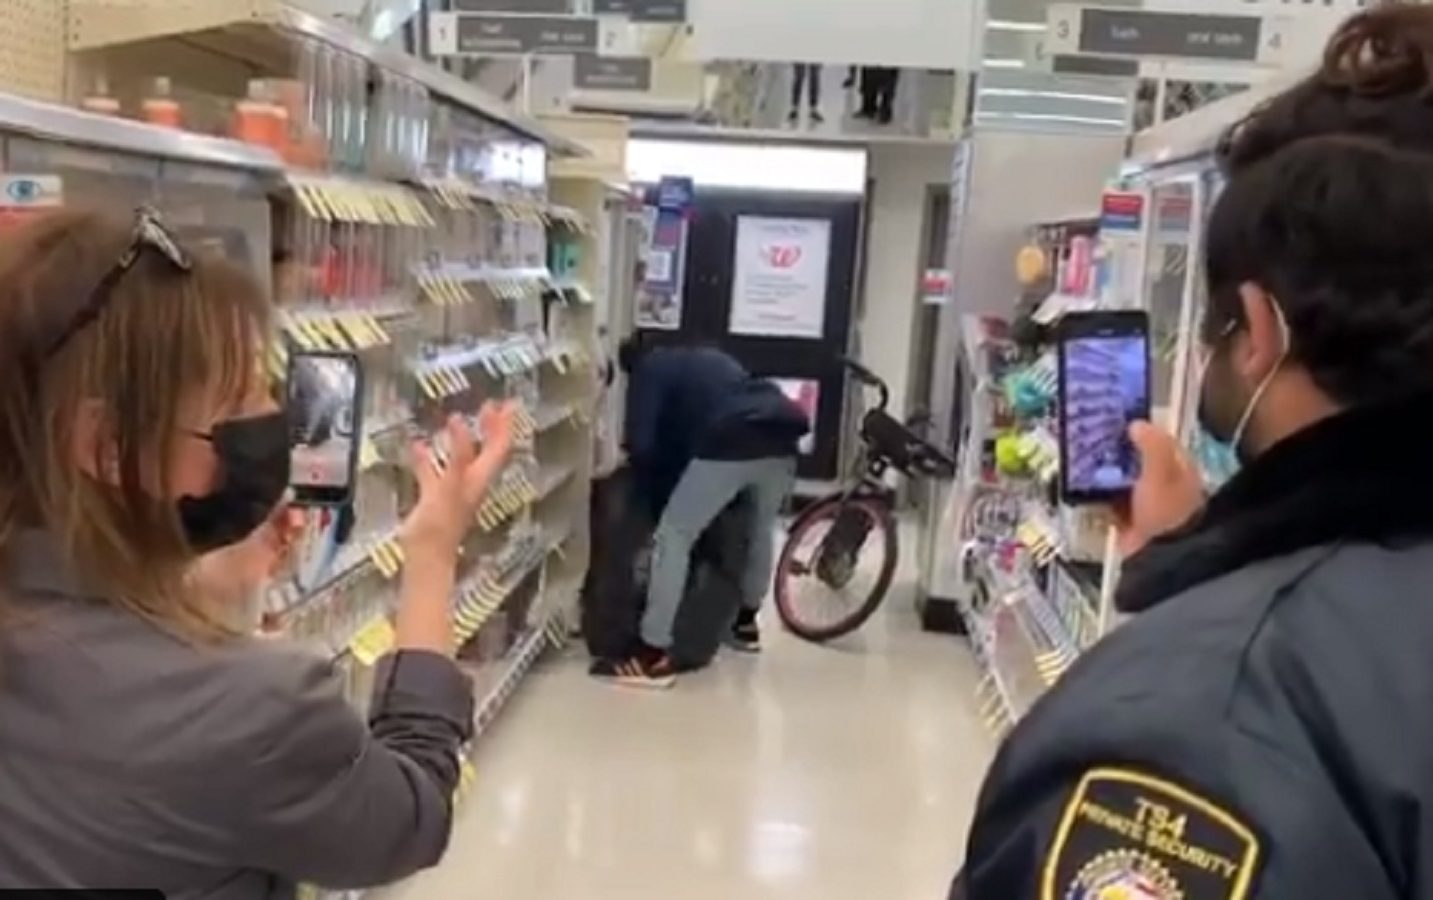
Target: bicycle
860,514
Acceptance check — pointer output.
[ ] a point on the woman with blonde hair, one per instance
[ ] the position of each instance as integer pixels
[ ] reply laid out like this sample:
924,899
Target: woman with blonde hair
145,742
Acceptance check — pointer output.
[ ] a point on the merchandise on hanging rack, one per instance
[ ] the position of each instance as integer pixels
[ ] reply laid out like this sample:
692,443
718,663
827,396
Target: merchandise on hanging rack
594,263
1035,571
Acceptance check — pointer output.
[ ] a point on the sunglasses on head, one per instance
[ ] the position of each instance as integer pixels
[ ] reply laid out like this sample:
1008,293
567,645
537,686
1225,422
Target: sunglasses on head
149,234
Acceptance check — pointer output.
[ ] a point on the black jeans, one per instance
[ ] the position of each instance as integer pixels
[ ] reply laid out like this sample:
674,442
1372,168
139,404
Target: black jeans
878,92
807,75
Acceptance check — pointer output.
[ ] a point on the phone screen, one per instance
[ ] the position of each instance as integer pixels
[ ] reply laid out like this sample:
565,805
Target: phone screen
324,403
1104,387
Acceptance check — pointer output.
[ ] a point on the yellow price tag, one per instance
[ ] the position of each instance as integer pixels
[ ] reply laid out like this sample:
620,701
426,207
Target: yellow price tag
328,327
425,284
305,197
380,336
373,641
368,455
351,325
457,294
297,327
325,201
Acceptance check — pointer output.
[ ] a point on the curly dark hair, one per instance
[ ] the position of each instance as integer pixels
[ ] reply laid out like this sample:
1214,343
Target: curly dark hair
1376,80
1336,229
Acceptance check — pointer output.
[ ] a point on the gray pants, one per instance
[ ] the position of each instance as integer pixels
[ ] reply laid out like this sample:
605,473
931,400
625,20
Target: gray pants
706,487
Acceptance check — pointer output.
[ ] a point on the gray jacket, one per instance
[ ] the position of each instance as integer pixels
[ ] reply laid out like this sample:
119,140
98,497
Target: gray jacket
131,759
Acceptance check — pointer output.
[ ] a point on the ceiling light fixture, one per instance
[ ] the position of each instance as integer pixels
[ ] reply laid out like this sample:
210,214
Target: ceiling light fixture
1053,95
1012,25
1052,117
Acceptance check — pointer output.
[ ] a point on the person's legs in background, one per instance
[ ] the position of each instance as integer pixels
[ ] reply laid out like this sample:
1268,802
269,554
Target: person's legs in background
870,87
813,85
771,481
799,74
886,96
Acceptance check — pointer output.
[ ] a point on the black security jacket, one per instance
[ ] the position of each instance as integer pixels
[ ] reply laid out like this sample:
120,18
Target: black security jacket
1264,726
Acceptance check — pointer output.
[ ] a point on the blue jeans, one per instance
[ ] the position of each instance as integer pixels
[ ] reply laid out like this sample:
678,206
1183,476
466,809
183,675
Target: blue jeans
706,488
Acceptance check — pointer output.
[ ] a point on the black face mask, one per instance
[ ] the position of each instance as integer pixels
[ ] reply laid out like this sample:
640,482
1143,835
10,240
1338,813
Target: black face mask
254,455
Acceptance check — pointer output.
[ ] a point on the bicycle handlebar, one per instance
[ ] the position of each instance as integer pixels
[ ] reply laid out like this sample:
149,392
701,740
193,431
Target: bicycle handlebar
870,379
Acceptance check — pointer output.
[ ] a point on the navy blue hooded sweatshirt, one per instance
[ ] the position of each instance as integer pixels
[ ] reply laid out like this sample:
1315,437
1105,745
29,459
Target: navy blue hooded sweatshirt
686,403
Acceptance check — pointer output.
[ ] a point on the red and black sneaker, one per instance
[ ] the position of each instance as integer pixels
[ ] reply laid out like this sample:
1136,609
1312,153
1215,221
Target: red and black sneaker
645,667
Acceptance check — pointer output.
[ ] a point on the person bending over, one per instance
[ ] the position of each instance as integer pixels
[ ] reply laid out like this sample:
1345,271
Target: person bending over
701,432
1262,728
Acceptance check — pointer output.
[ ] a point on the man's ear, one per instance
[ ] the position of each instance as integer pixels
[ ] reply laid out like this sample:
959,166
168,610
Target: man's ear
92,446
1266,342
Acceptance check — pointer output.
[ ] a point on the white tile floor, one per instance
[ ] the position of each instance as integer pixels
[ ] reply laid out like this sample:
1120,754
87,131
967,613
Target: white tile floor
835,772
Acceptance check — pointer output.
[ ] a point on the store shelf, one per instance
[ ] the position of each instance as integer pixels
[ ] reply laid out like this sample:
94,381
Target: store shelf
262,33
551,415
513,668
572,289
481,596
72,126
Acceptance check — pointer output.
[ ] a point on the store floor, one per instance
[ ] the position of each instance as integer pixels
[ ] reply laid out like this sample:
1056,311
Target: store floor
823,772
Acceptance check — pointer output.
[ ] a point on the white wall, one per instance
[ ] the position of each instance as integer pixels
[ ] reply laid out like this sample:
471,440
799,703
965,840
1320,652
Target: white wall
927,34
902,174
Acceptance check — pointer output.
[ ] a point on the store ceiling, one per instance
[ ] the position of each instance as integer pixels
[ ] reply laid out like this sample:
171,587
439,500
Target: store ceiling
1016,88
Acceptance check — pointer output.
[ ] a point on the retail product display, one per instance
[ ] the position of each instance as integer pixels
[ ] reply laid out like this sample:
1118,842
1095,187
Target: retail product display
420,267
1046,425
1039,576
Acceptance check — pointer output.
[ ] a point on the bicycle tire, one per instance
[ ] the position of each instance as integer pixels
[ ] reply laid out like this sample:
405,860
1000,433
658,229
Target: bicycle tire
829,508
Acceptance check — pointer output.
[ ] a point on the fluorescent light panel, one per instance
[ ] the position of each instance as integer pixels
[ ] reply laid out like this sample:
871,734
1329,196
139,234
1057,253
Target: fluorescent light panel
1053,95
1012,25
1002,63
1051,117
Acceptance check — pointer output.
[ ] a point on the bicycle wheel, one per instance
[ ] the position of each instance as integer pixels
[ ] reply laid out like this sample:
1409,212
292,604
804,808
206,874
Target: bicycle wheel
836,567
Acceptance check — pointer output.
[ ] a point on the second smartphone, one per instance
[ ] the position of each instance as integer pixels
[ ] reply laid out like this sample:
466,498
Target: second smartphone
325,408
1104,365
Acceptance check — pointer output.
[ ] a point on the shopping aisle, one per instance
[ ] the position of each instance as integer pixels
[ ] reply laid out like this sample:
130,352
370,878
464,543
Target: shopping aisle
831,773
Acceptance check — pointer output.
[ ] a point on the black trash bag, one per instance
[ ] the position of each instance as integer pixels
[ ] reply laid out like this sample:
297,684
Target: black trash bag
615,591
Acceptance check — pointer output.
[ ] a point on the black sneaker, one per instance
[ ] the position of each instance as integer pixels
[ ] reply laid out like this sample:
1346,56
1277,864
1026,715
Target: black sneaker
646,667
817,118
745,633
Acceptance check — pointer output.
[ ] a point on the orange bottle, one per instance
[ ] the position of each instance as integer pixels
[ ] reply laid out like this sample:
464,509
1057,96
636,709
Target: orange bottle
256,119
160,108
100,101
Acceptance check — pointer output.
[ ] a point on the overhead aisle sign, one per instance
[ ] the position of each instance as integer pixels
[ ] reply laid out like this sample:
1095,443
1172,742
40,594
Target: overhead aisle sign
542,7
643,10
612,73
1149,34
483,34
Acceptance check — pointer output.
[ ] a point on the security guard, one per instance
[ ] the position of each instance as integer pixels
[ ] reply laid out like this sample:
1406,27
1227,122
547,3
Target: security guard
1263,728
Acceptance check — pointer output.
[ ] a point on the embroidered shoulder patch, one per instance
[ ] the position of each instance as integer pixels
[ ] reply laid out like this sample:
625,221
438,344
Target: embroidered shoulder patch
1127,835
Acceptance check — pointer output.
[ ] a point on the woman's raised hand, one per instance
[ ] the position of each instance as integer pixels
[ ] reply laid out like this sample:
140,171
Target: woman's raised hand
449,496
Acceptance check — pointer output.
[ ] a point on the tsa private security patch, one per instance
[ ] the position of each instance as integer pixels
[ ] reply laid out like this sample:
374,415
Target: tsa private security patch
1127,835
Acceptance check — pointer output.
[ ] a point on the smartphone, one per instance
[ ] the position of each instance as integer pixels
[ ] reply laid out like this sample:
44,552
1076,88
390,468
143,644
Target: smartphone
1104,385
325,407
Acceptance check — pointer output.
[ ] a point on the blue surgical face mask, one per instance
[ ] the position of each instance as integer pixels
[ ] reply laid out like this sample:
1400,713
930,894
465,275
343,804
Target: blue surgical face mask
1221,456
